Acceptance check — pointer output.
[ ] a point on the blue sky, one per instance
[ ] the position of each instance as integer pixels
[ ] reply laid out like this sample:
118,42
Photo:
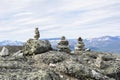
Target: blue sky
55,18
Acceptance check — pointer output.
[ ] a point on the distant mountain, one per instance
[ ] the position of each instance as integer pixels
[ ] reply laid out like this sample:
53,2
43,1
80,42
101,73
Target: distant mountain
102,44
11,43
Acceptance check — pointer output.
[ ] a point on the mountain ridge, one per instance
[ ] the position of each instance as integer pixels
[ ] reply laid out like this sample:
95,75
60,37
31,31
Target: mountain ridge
111,43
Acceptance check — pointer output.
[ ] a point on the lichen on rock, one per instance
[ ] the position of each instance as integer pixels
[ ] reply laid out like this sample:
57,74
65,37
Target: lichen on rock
33,46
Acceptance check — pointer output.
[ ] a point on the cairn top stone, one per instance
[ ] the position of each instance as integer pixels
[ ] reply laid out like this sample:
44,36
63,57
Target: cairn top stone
80,39
63,41
63,38
37,34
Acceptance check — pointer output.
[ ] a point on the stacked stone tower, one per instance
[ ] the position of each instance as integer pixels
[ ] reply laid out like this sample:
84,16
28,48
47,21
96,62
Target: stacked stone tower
37,34
80,45
63,45
36,46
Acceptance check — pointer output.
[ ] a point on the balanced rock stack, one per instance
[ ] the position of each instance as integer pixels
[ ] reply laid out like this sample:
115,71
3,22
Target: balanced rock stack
37,34
63,45
36,46
80,45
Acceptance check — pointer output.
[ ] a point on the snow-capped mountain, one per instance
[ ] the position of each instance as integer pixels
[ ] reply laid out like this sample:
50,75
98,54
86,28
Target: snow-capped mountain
11,43
105,38
103,44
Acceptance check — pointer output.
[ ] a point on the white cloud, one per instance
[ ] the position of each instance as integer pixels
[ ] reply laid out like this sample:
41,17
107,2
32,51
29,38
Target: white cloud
55,18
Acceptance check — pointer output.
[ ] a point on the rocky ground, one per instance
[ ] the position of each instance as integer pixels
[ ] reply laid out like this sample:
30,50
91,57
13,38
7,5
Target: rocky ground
55,65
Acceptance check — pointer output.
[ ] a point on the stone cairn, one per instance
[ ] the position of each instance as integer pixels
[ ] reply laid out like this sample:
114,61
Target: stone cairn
37,34
80,45
36,46
63,45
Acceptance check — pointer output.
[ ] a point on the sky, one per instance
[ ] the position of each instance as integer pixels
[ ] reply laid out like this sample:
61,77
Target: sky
56,18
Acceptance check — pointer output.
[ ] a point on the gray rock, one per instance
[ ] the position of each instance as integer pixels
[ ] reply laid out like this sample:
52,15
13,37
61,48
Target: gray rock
113,70
98,75
4,52
19,71
108,57
99,62
51,57
80,71
43,75
55,65
18,54
33,46
74,69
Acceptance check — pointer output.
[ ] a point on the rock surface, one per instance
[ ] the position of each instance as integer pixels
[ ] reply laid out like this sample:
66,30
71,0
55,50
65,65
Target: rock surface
33,46
4,52
54,65
18,54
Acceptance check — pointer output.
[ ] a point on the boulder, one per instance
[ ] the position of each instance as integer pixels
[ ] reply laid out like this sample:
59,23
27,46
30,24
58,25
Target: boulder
4,52
33,46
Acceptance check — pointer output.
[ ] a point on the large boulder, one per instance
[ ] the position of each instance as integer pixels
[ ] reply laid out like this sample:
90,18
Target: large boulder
4,52
33,46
